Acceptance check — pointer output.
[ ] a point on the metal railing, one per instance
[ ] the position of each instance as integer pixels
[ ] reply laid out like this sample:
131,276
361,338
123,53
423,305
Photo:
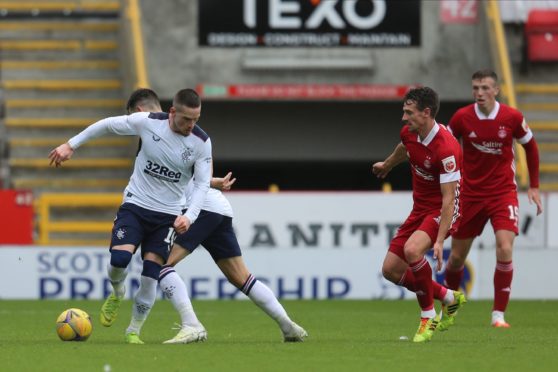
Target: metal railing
47,201
501,57
134,48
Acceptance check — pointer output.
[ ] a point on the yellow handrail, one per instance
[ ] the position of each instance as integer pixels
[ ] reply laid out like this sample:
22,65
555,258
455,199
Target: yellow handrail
133,14
48,200
502,60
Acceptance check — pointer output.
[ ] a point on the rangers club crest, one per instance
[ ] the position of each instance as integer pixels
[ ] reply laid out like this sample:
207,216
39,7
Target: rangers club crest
449,164
120,234
187,154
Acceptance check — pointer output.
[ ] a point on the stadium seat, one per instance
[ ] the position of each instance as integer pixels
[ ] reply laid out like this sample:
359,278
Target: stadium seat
541,35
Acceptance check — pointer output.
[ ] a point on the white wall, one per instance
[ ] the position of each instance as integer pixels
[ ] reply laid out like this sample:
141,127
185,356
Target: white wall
304,245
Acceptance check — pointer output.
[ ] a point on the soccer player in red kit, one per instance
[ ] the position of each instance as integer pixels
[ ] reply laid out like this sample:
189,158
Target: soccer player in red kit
487,130
435,157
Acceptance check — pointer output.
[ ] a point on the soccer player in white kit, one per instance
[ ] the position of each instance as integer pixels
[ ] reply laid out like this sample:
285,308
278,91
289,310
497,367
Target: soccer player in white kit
214,231
174,150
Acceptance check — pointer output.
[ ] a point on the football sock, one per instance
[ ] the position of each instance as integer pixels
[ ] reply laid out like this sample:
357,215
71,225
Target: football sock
116,270
453,278
175,290
143,302
497,316
262,296
408,281
423,279
502,285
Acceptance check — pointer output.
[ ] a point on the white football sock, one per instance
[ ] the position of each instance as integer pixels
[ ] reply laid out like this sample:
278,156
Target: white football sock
175,290
117,276
497,316
143,302
262,296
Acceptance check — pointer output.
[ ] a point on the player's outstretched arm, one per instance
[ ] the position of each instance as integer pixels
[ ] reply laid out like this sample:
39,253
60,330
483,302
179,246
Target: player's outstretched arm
61,154
398,156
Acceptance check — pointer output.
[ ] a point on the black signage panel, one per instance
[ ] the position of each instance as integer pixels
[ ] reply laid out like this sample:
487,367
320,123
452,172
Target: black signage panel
309,23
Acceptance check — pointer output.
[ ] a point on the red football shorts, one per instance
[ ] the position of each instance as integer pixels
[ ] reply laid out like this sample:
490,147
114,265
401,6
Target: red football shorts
427,222
502,211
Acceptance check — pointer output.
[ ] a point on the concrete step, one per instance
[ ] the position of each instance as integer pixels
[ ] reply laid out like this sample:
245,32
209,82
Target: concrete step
48,27
41,122
86,155
78,54
120,141
544,125
548,147
548,168
64,103
548,186
40,94
548,157
538,106
70,184
546,136
68,172
48,44
7,65
81,163
64,85
526,88
60,6
78,69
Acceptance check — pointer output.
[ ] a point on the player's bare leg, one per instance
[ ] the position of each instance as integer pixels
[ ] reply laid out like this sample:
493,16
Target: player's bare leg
456,262
238,275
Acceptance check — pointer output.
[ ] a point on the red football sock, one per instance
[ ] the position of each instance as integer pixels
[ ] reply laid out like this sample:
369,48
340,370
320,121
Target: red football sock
423,283
408,281
453,278
502,285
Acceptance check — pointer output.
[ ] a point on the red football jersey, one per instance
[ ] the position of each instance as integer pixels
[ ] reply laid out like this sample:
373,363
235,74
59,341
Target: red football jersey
435,160
488,156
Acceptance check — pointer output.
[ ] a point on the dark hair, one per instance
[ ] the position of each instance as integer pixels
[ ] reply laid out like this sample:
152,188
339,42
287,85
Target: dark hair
187,97
486,73
140,97
424,97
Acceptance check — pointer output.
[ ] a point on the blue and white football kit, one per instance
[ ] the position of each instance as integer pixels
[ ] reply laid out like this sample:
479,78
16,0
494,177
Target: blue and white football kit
165,164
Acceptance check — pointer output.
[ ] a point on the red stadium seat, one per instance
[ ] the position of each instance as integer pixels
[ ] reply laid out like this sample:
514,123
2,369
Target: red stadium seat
541,35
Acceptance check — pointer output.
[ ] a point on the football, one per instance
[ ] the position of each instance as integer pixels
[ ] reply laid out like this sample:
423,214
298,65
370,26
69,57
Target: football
74,325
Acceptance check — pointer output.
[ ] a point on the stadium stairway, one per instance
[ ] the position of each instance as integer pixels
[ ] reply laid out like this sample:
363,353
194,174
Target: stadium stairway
537,96
60,72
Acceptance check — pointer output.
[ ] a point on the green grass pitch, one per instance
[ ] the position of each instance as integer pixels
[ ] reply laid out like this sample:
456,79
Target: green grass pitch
344,336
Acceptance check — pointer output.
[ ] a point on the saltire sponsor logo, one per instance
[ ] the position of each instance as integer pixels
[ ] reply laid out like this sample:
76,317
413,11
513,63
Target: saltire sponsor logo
489,147
422,173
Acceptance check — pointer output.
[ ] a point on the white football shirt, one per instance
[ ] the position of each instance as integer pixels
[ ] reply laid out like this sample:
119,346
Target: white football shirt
165,164
214,202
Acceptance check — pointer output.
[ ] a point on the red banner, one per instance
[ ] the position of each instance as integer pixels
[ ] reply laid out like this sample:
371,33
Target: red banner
304,91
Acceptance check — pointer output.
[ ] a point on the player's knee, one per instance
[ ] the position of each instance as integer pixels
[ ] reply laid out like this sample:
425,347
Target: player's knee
456,261
412,251
151,269
120,258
